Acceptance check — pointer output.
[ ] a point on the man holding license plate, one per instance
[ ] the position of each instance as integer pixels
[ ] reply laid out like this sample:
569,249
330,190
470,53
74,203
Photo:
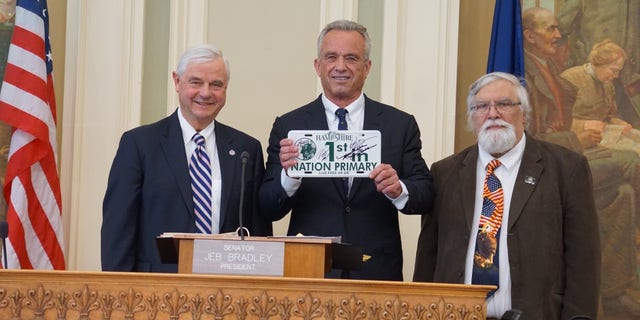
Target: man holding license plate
344,165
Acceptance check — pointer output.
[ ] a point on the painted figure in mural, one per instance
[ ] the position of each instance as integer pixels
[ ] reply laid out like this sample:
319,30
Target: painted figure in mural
595,106
616,173
587,22
7,10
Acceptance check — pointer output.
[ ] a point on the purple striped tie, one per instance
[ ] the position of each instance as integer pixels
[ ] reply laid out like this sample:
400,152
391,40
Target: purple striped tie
200,171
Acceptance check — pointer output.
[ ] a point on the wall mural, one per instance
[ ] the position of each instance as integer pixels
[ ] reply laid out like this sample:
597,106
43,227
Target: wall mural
583,75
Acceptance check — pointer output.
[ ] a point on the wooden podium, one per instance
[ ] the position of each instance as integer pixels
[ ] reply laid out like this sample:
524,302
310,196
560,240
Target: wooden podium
304,257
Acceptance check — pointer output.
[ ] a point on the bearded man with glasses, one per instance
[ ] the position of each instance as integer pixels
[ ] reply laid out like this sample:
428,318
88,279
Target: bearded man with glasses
539,243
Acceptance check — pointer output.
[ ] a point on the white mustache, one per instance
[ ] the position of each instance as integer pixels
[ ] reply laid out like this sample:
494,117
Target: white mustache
495,122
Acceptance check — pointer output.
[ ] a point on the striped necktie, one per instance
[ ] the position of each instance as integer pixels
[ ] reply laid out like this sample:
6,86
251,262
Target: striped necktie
342,125
200,171
485,258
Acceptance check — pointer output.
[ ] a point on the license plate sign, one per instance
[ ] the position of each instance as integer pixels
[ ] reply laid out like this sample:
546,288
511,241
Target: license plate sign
325,153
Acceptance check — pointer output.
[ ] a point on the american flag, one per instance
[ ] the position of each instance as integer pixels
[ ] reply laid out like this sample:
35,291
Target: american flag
27,103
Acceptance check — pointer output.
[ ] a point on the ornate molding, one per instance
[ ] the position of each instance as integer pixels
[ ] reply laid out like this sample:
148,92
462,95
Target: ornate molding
33,295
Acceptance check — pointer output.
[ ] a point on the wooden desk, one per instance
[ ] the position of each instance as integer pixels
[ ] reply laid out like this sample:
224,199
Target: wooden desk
26,294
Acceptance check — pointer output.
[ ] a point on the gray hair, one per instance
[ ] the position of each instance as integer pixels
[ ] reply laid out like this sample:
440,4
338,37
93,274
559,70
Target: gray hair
200,54
518,83
346,25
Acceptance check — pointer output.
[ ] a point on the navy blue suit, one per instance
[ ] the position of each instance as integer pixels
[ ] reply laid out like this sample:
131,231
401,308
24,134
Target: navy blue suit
149,192
366,219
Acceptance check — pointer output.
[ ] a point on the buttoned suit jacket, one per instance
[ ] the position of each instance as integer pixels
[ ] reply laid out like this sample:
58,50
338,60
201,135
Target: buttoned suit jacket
553,237
366,219
149,192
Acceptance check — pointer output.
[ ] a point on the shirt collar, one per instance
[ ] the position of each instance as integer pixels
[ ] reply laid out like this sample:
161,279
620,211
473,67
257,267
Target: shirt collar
355,109
188,131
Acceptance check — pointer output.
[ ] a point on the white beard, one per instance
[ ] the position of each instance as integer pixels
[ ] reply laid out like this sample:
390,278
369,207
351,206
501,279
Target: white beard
497,141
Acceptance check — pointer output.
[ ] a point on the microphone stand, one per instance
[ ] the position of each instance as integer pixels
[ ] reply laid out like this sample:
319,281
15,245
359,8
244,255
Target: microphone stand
244,158
4,232
4,253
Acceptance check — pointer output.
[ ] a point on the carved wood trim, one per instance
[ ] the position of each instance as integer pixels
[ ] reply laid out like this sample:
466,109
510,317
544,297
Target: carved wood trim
107,295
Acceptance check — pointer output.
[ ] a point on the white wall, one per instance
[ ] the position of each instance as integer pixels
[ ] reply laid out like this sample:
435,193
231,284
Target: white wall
271,46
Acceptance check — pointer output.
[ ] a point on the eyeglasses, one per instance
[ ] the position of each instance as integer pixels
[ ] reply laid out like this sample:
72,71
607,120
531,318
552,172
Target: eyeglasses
504,106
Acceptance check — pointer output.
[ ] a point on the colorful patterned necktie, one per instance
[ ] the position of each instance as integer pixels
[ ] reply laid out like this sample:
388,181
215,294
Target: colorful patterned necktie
485,258
200,171
342,125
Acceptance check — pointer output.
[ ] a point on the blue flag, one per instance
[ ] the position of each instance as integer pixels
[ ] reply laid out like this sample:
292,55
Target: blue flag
506,53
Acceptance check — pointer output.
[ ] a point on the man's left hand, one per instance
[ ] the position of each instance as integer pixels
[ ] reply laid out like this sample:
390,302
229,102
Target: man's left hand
386,179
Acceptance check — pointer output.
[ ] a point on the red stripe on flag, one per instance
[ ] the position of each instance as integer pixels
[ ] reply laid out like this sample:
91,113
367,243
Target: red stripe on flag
25,121
50,170
29,41
36,151
16,237
26,81
41,224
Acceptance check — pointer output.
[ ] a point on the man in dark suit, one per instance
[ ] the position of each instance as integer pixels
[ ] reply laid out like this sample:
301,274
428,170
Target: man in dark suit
546,253
366,215
150,188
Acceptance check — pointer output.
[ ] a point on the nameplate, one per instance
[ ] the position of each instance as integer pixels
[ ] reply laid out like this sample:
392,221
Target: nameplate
235,257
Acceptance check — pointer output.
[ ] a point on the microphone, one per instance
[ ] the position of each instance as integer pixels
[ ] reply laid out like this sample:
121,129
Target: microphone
4,232
511,314
244,158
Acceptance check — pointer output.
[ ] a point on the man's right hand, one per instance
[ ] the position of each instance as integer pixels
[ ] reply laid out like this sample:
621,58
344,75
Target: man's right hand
590,138
288,154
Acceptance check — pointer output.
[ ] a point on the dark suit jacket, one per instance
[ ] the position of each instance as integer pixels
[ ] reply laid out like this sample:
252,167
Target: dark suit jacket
149,192
553,237
367,219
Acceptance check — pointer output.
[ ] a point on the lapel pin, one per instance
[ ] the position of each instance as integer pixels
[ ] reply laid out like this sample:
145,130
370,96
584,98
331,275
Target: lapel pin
530,180
232,152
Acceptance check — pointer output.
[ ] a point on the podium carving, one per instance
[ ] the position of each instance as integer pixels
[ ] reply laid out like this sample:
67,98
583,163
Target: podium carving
110,295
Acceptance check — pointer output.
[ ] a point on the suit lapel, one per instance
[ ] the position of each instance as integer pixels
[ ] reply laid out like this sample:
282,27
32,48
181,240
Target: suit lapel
172,145
528,177
467,185
372,115
228,155
316,119
372,121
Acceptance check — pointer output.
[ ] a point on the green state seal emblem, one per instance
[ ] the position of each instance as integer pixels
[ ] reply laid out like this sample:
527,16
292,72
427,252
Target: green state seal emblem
307,148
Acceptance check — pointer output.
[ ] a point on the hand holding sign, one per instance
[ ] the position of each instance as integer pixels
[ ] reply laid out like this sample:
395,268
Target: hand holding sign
386,180
288,154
